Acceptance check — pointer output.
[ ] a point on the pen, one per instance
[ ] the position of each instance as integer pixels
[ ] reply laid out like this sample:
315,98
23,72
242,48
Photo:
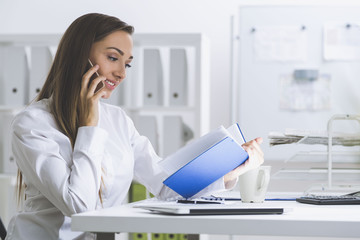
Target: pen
280,199
196,201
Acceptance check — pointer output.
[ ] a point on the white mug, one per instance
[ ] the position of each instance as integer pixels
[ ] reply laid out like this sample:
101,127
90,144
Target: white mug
254,183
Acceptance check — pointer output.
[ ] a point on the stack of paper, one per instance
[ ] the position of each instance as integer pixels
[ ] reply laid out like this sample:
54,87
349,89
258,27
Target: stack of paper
313,137
203,161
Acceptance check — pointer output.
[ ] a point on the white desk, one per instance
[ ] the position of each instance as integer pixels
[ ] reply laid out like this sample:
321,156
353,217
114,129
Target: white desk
303,220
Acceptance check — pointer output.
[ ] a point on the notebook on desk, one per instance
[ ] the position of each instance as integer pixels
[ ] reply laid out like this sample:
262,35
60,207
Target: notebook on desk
209,209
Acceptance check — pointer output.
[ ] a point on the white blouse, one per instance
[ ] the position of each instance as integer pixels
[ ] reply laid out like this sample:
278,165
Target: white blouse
61,181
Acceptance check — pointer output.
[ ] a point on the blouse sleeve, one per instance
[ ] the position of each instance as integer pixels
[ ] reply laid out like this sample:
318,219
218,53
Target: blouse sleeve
149,173
69,179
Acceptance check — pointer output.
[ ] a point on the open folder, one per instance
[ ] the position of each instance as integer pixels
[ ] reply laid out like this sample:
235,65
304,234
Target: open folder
205,160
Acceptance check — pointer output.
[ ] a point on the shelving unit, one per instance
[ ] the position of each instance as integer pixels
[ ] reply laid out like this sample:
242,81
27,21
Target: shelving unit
168,81
166,91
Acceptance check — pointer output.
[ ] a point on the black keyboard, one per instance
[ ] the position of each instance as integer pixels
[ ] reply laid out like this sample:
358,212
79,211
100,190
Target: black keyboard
330,200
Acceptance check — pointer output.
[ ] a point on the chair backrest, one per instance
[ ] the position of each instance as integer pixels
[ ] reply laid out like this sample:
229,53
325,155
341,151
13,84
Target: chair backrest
2,230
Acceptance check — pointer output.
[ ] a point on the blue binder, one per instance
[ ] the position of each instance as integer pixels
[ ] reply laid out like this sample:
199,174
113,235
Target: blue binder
208,167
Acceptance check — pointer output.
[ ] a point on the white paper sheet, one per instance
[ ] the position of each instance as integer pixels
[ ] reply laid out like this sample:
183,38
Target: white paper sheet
280,43
342,41
305,95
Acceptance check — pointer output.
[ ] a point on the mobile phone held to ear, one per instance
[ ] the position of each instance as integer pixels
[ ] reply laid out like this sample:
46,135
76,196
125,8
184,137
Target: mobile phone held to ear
101,84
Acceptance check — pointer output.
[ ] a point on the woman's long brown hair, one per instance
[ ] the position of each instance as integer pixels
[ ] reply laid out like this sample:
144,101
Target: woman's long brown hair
63,82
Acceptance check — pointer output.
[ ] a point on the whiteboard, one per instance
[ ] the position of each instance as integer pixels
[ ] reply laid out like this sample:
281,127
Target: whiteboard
260,73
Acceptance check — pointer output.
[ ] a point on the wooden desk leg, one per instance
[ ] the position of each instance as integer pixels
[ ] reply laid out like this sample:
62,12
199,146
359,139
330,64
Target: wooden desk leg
105,236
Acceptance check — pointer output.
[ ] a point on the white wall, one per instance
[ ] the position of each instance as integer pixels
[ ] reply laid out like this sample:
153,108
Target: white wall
211,17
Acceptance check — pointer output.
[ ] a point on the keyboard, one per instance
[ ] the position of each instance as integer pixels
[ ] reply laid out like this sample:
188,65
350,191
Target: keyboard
329,200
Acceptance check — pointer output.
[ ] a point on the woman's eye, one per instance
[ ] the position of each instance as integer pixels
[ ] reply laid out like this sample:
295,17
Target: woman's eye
112,59
127,65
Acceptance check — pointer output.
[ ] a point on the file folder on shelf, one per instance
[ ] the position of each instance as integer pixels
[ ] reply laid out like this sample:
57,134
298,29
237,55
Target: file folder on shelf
207,166
41,61
13,76
139,236
171,236
174,137
182,236
157,236
147,126
178,77
7,159
153,71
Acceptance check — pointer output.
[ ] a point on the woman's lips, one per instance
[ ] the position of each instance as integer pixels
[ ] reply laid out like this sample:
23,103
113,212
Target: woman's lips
110,84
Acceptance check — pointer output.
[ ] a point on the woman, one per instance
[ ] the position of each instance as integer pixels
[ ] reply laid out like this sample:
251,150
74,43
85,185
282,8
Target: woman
76,153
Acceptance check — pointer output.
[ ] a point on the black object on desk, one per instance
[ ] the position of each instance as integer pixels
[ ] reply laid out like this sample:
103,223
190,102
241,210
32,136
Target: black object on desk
348,199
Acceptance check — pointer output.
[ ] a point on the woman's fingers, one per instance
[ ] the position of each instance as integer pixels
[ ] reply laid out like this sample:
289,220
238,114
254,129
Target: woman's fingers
91,87
90,94
259,140
95,86
256,155
88,74
253,145
256,158
86,78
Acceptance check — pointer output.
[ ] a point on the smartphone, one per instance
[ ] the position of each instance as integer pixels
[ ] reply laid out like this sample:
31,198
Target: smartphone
101,84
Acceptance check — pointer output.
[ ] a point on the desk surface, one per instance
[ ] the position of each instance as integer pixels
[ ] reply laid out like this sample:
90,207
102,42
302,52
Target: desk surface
303,220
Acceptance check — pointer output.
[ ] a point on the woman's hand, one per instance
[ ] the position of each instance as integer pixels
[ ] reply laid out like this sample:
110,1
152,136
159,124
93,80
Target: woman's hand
256,158
88,111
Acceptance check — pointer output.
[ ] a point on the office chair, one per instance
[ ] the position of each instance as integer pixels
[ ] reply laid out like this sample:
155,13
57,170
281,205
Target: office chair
2,230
